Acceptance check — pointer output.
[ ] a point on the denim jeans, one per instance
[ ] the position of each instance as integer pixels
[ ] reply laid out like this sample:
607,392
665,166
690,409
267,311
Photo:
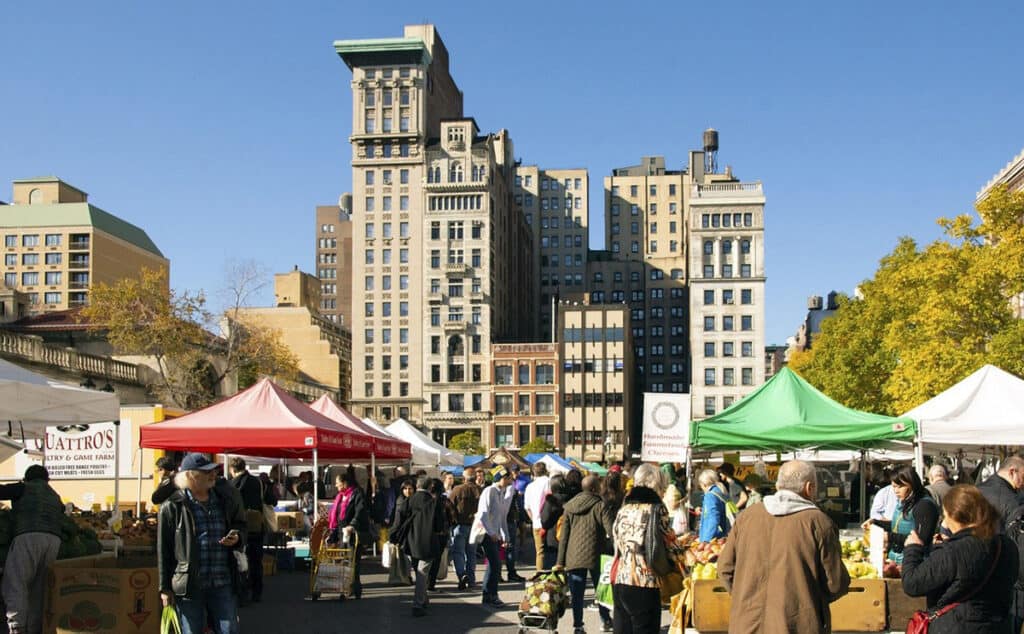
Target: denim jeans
578,587
493,572
512,552
463,553
220,602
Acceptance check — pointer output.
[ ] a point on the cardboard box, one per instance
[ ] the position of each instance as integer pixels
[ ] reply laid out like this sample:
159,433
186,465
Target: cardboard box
269,565
102,595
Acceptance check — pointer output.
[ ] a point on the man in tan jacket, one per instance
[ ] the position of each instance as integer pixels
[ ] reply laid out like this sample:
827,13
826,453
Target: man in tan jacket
783,562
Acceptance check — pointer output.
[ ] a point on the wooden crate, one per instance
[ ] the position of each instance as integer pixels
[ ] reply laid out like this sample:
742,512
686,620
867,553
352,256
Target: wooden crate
901,607
269,565
711,604
862,609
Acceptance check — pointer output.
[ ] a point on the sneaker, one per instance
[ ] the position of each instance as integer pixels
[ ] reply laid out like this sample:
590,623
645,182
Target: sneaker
463,582
516,578
607,626
579,630
496,602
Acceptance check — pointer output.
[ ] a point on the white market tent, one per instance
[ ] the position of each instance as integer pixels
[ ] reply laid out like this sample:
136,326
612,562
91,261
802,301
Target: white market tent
33,402
424,450
985,409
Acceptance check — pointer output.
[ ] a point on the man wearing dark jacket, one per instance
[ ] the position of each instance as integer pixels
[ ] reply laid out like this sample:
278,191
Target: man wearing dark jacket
585,531
423,542
165,469
37,514
251,490
200,527
1003,490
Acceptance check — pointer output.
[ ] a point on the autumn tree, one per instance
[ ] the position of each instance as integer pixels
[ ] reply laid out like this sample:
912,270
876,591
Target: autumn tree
537,445
467,442
190,347
929,317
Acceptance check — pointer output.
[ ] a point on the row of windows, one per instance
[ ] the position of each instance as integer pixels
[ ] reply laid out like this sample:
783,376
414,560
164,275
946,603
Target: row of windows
729,376
51,297
326,228
50,239
369,336
32,259
728,348
634,228
726,270
503,434
709,246
455,345
387,97
457,373
455,314
457,402
456,256
386,150
569,259
385,256
715,221
553,222
387,203
569,279
369,283
329,289
675,388
385,412
634,247
478,173
385,177
456,230
385,309
634,190
652,209
505,404
543,374
710,402
387,73
592,399
634,276
729,323
385,390
455,286
327,243
455,203
593,335
52,278
575,366
639,332
728,296
552,183
387,121
593,438
386,231
568,241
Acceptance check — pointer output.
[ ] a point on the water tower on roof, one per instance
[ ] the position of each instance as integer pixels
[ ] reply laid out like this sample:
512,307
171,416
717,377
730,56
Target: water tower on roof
711,150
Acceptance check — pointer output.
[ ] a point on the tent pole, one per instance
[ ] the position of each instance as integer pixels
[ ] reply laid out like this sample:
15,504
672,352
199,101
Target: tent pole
919,453
138,498
117,467
863,485
316,484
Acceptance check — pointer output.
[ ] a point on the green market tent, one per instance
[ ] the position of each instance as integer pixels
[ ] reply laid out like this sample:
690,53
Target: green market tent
788,413
595,468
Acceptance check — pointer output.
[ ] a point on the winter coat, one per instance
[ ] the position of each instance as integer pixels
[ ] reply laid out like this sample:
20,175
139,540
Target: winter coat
713,520
466,499
641,507
1002,496
401,511
584,533
955,568
426,528
553,507
783,566
357,515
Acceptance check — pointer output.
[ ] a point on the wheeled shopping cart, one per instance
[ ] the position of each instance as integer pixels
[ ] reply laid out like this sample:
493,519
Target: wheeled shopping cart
332,568
545,601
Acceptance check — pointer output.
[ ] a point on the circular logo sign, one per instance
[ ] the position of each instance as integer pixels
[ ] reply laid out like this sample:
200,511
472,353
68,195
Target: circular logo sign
139,580
665,415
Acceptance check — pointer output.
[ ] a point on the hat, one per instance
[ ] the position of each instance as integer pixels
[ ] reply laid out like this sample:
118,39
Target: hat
615,468
499,472
37,472
198,462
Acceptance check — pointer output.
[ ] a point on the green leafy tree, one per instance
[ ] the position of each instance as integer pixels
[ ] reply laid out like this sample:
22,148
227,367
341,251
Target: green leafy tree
537,445
929,317
468,443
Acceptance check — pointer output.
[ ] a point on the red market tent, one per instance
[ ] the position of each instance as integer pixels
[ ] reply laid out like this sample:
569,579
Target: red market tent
263,420
385,446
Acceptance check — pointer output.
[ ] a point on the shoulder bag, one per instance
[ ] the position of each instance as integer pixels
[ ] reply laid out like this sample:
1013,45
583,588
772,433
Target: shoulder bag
654,545
922,618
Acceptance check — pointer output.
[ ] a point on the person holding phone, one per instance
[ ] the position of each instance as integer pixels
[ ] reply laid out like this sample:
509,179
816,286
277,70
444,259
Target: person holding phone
199,527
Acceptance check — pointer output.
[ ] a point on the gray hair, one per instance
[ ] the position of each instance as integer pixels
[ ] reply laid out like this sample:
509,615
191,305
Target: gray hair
794,475
938,470
185,479
650,476
708,477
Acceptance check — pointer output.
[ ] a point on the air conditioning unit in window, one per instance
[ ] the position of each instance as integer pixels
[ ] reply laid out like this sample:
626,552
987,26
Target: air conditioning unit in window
524,412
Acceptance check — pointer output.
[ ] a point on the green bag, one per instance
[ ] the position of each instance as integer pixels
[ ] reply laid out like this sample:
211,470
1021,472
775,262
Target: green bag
169,623
603,594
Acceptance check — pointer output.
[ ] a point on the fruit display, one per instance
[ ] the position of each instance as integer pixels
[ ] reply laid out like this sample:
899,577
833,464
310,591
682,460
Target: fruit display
892,570
76,541
99,524
701,552
139,532
707,570
855,558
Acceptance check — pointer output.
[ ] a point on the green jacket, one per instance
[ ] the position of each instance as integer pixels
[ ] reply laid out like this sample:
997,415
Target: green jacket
38,509
585,532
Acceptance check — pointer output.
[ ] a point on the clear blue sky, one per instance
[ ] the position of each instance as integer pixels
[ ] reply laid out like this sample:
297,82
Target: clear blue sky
218,126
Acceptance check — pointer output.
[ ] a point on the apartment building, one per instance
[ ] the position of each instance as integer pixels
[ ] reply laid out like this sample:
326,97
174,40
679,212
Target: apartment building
334,260
526,391
440,248
597,382
556,206
57,245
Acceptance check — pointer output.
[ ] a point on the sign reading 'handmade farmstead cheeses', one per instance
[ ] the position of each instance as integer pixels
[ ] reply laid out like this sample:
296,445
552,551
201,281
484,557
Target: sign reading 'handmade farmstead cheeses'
666,431
80,451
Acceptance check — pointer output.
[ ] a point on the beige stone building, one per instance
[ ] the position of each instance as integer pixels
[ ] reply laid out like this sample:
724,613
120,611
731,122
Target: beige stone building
1012,175
57,244
526,395
438,244
596,351
556,206
323,347
334,260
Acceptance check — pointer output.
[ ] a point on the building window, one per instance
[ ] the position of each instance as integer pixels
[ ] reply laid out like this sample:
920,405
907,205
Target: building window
503,405
744,270
709,324
727,348
747,376
524,374
503,375
726,270
435,402
29,279
709,405
747,349
746,296
30,240
30,259
728,322
728,376
53,278
746,322
709,298
51,298
545,374
709,376
709,271
545,404
709,349
727,296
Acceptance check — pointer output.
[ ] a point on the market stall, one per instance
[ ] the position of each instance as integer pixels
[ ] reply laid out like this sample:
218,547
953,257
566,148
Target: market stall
425,452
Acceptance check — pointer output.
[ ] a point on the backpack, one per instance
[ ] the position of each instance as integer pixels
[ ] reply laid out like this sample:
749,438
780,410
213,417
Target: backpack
731,510
559,533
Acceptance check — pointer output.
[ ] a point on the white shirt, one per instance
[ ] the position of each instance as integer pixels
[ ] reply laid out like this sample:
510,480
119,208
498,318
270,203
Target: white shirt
493,512
884,505
533,498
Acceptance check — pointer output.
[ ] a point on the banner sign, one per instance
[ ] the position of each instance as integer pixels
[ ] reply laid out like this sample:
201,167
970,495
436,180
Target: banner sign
80,451
666,429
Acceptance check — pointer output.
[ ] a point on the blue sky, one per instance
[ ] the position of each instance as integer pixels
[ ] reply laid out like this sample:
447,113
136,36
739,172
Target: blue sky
218,127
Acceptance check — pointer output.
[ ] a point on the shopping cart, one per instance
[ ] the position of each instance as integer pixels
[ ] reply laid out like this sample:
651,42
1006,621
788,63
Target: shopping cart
545,601
332,568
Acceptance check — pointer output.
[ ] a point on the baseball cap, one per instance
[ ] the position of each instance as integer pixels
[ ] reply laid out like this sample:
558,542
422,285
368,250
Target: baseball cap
498,473
198,462
615,468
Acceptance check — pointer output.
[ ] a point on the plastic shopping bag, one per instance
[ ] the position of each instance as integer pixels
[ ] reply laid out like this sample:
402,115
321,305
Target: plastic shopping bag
680,608
603,594
386,554
169,623
442,568
398,571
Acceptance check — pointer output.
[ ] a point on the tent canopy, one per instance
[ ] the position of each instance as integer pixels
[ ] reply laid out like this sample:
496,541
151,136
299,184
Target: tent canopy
263,420
789,413
36,402
385,447
986,408
424,450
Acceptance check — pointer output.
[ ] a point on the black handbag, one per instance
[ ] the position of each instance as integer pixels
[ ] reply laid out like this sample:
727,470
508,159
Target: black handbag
654,545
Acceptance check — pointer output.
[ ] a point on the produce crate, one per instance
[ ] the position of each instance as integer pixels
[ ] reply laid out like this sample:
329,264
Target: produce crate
269,565
290,521
862,609
901,607
102,594
711,604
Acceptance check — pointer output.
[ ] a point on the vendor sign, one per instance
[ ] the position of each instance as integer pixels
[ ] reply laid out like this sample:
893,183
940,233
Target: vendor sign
666,429
80,451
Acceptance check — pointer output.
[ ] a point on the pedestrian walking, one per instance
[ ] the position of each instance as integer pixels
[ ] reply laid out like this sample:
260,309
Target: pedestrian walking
37,512
200,527
968,578
251,491
533,501
423,543
550,513
641,530
783,562
492,523
514,501
585,533
465,498
448,513
349,521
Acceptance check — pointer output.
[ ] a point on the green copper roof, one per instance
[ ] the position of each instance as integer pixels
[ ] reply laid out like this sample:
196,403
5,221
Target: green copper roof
383,51
76,215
